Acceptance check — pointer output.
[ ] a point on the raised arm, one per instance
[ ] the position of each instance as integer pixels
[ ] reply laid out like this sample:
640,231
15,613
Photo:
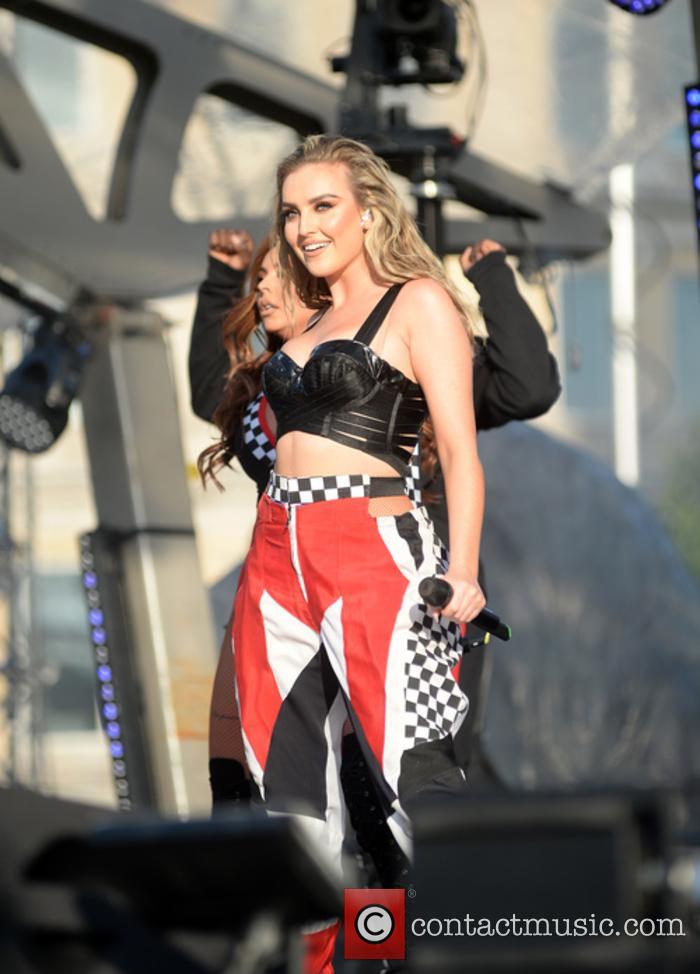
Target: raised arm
441,357
208,361
515,376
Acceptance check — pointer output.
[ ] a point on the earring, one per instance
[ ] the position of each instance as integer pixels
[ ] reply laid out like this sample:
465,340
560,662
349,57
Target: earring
364,218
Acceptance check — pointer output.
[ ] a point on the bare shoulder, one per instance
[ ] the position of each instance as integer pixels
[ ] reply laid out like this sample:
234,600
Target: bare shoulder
425,294
426,302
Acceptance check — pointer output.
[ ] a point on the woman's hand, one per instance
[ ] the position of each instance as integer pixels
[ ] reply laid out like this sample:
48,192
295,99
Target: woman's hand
475,252
232,247
467,600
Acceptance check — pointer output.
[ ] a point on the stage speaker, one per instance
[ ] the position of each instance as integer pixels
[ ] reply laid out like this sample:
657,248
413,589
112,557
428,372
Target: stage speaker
549,883
88,892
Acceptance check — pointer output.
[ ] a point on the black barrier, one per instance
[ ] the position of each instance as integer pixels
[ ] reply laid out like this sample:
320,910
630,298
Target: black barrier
88,891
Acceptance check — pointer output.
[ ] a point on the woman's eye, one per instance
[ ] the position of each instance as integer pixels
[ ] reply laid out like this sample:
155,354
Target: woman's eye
325,206
287,214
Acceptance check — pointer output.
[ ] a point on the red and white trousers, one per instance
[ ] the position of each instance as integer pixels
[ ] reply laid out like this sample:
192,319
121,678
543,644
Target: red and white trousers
328,625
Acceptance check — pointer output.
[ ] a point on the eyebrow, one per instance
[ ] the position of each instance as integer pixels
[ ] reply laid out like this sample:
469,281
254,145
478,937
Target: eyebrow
315,199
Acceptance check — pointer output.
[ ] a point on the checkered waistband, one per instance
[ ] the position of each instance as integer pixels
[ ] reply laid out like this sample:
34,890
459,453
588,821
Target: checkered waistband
307,490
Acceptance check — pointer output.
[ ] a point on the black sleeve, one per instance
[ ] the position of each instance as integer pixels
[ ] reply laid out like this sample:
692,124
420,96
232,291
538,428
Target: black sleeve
515,376
208,360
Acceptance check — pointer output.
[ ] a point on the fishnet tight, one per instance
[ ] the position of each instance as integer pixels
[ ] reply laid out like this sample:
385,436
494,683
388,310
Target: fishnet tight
225,736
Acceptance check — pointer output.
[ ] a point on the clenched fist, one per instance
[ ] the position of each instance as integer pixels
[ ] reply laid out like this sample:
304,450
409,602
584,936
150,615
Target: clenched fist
476,251
231,246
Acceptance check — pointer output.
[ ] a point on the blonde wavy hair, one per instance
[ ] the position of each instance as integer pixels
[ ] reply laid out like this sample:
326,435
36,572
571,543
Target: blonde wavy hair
395,249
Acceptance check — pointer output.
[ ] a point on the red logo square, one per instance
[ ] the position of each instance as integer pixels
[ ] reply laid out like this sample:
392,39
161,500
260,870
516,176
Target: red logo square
375,924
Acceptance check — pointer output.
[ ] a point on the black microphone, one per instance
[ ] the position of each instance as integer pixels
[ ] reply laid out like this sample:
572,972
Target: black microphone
436,593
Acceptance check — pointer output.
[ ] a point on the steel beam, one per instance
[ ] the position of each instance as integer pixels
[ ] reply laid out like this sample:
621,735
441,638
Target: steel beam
142,250
141,495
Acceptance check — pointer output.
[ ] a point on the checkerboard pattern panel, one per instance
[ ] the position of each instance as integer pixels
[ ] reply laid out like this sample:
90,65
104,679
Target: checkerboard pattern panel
253,434
309,490
412,479
434,702
441,555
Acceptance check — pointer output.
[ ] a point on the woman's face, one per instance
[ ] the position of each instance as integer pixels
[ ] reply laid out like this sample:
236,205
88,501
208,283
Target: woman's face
270,303
322,219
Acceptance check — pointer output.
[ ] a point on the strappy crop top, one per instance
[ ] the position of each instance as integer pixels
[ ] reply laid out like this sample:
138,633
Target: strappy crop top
348,394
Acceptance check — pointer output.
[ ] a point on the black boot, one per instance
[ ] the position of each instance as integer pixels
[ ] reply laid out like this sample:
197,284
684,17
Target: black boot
368,819
230,789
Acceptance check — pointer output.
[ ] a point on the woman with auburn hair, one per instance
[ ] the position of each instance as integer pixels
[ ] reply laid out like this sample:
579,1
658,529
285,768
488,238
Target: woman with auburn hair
274,315
247,427
328,623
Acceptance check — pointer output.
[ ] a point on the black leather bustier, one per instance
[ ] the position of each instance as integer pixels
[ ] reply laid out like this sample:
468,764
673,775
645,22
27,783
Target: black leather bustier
347,393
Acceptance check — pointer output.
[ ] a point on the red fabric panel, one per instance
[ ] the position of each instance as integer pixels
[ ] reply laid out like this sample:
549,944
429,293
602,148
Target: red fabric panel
337,559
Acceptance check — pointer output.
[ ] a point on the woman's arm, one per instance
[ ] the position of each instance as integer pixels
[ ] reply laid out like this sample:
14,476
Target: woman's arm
441,357
208,362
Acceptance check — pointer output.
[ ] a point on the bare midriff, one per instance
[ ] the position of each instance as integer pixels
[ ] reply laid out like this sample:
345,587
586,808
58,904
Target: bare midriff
309,455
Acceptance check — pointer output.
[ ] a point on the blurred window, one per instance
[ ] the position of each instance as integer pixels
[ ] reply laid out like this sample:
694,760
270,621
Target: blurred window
686,334
64,648
227,162
586,326
82,94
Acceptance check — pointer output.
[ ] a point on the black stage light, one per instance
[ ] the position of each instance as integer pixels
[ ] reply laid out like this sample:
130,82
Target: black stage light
640,7
38,392
419,42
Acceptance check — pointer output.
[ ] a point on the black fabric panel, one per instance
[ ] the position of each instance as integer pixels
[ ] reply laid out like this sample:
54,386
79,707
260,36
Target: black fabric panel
296,762
387,487
430,770
257,469
408,529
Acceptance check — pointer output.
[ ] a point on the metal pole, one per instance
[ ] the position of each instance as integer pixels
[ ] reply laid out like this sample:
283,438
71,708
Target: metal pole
695,17
430,192
623,272
623,311
139,480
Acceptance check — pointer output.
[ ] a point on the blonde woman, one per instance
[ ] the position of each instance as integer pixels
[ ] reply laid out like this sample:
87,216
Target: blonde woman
328,623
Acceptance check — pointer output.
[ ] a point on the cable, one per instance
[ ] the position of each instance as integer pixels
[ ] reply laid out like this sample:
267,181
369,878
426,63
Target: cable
535,272
477,108
661,260
466,13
